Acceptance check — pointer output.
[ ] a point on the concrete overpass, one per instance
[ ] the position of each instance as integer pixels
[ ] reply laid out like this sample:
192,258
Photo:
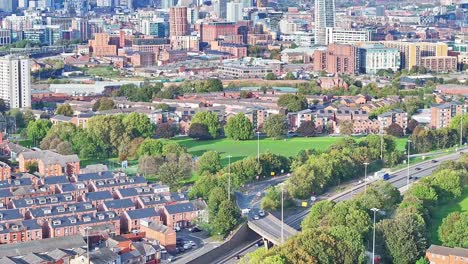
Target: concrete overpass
269,228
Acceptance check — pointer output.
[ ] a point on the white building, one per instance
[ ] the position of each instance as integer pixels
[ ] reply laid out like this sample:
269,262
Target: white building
15,81
234,12
324,17
300,38
346,36
377,57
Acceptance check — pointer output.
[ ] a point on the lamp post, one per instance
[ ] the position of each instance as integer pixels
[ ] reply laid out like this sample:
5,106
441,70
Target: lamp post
381,145
365,176
87,243
258,147
282,214
373,239
229,177
407,177
461,130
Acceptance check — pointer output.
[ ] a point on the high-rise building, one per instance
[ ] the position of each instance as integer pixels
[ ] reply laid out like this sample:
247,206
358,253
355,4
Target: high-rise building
324,17
262,3
221,8
8,5
234,12
178,24
153,28
247,3
15,81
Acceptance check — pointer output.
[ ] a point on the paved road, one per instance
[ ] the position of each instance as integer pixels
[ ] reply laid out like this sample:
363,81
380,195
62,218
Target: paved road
398,179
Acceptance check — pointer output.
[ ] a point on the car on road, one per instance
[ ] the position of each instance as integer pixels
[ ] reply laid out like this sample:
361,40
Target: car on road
261,213
259,243
417,168
194,229
434,161
256,217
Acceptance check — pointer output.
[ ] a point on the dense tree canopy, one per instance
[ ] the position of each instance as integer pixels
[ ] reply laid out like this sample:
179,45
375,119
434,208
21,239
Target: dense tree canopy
64,109
104,104
209,162
210,120
37,130
275,126
292,102
239,127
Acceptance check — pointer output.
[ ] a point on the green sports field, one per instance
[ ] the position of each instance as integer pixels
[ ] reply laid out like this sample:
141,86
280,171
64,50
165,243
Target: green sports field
241,149
460,205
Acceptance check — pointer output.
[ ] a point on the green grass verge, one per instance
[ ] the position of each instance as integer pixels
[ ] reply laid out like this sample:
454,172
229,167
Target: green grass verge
459,205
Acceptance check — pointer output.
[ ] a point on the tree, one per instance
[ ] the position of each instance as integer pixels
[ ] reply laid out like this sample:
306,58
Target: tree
151,147
175,169
275,126
227,217
64,109
65,148
217,196
107,134
272,199
306,129
172,147
37,130
239,127
138,125
166,130
346,127
292,102
209,162
318,212
210,120
32,167
453,232
3,106
104,104
395,130
412,124
404,237
149,165
270,76
199,131
290,76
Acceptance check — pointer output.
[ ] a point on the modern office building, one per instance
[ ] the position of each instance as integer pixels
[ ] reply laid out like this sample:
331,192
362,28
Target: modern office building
346,36
15,81
153,28
375,57
178,24
324,17
234,12
5,37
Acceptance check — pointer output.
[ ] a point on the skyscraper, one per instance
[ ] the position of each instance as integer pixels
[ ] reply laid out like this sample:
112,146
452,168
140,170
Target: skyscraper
221,8
234,12
8,5
178,24
15,81
324,17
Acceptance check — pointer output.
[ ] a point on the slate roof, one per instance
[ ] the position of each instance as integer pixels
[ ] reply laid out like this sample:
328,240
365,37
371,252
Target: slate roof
120,203
142,213
180,208
96,196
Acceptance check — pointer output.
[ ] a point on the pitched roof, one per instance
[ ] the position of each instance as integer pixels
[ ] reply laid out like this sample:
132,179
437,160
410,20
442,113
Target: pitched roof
142,213
43,245
180,208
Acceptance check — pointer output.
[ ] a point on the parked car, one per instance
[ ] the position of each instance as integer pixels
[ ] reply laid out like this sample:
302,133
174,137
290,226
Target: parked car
256,217
177,229
187,246
194,229
261,213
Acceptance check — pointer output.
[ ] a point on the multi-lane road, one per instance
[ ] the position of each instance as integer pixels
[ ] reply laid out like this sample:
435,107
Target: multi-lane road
399,179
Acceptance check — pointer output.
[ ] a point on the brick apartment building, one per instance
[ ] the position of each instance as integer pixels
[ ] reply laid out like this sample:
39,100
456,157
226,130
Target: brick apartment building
211,31
178,23
336,59
49,163
445,255
398,117
104,45
439,64
5,171
442,114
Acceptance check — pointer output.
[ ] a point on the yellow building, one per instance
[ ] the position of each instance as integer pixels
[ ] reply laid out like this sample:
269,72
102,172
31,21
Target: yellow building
412,52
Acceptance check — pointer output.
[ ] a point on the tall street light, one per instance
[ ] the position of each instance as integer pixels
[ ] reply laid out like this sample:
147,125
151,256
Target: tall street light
282,214
375,210
258,147
229,176
407,177
365,176
87,243
461,130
